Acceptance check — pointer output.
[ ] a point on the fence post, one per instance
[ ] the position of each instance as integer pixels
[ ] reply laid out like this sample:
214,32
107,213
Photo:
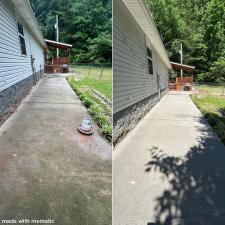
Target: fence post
88,70
222,89
101,73
195,89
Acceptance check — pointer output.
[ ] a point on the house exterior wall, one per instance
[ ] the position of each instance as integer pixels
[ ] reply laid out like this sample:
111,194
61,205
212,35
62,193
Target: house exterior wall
16,75
135,91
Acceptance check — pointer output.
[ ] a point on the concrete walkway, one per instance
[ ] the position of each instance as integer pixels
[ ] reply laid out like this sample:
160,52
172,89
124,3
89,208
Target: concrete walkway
47,169
170,170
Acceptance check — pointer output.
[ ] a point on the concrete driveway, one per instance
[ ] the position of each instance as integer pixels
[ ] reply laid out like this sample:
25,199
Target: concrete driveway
170,170
47,169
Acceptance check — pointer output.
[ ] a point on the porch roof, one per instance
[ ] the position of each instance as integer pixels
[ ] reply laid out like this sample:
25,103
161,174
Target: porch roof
182,66
60,45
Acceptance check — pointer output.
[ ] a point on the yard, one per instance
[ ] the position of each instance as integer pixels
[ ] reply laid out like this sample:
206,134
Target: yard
85,81
93,72
210,89
213,109
98,78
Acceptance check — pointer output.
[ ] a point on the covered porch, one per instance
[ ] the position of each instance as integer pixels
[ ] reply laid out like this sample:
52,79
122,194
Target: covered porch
58,64
184,82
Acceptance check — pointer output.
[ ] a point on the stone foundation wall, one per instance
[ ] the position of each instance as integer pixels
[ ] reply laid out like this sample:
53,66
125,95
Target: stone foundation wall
126,119
11,97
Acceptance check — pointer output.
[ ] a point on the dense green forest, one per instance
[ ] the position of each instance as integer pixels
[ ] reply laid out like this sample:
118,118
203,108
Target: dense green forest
86,24
200,26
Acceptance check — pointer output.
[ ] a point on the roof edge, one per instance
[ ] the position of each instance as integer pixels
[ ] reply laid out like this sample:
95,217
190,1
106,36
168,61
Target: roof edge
57,42
182,65
26,12
146,22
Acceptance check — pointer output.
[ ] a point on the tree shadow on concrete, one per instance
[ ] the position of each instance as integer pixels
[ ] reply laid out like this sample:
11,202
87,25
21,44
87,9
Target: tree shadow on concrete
196,193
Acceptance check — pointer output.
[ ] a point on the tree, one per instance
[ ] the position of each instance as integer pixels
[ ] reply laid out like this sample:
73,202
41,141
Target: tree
86,24
199,25
217,71
213,23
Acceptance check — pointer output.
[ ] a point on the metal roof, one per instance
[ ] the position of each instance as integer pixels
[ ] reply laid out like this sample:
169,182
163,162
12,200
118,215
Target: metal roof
182,66
143,17
27,14
56,44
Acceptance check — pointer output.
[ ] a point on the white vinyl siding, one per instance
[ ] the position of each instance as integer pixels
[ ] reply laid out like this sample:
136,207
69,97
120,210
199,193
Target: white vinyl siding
37,53
14,66
131,80
163,71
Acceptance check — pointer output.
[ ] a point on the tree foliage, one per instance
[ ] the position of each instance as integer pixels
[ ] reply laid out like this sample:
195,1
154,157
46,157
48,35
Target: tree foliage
199,26
216,72
86,24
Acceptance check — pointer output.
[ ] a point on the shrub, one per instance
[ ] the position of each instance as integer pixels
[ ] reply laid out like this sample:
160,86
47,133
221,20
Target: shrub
107,131
87,101
214,116
201,77
217,70
95,108
101,119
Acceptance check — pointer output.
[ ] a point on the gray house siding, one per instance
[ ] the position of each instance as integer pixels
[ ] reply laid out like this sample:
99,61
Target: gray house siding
135,91
131,81
16,75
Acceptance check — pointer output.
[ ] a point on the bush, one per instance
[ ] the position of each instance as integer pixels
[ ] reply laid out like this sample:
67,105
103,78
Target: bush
217,70
214,115
212,118
87,101
94,108
101,119
202,77
107,131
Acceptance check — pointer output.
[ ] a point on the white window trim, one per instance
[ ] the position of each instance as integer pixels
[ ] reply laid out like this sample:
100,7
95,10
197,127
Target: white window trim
18,21
149,58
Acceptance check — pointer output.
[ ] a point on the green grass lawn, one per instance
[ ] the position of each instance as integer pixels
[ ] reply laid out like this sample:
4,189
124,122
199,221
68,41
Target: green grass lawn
213,109
94,73
102,86
210,89
93,79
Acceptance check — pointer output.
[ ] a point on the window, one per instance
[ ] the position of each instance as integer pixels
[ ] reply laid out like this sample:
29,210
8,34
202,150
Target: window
21,38
150,65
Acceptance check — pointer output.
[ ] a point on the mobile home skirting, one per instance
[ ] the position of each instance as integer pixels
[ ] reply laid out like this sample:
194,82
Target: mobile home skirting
11,97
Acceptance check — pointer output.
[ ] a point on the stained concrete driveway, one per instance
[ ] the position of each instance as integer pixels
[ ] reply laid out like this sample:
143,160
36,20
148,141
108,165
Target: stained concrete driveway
47,169
170,170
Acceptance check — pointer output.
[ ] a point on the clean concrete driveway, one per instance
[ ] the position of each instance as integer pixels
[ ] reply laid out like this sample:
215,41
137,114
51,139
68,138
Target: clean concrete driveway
170,170
47,169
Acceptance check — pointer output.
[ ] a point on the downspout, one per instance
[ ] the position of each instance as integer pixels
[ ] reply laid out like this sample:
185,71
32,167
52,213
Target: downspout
33,70
32,61
158,77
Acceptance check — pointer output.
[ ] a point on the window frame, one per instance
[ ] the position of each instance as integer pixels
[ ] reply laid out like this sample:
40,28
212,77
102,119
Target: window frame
149,61
21,37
